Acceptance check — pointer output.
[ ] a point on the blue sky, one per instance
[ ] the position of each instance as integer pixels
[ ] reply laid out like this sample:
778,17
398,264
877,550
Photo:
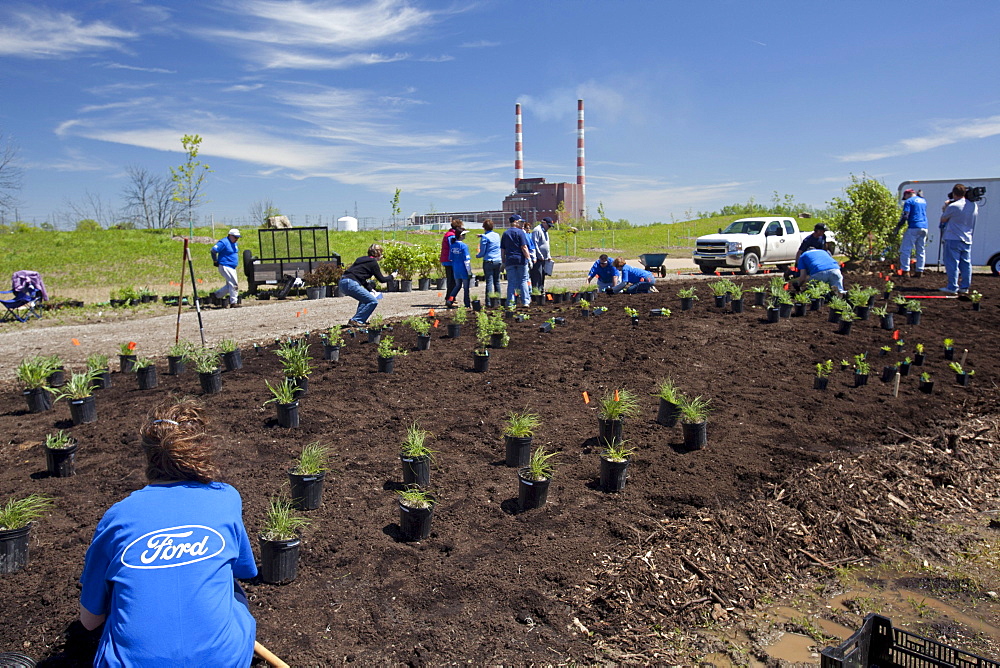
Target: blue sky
318,104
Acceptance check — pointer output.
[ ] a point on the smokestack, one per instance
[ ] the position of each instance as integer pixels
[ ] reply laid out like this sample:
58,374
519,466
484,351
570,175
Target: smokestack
518,152
581,177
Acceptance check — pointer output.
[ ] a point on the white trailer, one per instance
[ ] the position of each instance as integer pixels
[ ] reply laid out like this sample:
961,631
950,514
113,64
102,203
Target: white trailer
985,239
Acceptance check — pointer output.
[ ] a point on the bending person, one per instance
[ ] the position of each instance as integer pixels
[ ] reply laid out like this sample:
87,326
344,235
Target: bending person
819,265
605,272
633,280
352,284
160,571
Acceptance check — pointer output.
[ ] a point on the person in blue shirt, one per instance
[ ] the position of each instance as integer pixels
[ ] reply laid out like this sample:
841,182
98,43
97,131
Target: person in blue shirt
819,265
489,250
915,236
225,256
958,222
461,267
160,573
605,272
633,280
516,260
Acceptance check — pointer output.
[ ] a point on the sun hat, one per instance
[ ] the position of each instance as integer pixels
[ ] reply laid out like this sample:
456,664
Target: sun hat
234,232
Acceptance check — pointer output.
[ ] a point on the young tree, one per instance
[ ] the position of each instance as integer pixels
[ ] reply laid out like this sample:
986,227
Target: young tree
263,209
149,199
395,206
865,219
189,178
10,175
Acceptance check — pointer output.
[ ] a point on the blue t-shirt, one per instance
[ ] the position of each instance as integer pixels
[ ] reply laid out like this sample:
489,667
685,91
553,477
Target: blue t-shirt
605,274
489,247
633,275
511,243
915,212
161,568
814,261
460,259
226,253
959,221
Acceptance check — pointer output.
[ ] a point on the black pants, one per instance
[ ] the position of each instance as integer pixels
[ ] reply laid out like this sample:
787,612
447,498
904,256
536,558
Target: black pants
449,275
537,275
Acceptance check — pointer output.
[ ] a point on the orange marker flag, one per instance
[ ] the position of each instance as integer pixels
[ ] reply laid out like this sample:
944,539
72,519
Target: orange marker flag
436,323
131,345
74,342
895,335
200,281
899,272
616,395
893,267
304,311
298,313
880,274
586,398
430,313
440,294
718,274
549,296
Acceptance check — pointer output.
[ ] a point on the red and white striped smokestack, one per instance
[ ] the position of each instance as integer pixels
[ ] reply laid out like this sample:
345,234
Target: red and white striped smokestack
518,151
581,173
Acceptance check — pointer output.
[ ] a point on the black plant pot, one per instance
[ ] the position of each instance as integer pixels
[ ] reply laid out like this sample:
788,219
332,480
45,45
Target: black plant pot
423,342
14,549
480,363
423,284
83,411
279,560
288,415
496,341
800,310
176,365
887,322
406,285
301,386
963,379
211,381
845,327
773,314
720,301
918,359
904,369
316,292
454,331
102,380
668,413
913,317
833,316
609,431
415,523
820,382
736,305
613,474
439,283
695,435
687,303
39,400
926,386
545,327
758,298
518,450
306,490
232,361
815,304
901,309
949,353
61,462
57,378
531,494
888,373
860,379
976,306
416,470
862,312
374,335
785,310
126,363
146,377
331,353
386,364
477,305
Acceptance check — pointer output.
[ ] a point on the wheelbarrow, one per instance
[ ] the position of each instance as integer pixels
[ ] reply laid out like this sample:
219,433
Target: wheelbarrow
654,262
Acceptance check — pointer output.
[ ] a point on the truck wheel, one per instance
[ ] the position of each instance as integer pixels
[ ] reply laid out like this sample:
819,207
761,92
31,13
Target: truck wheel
751,264
707,269
995,264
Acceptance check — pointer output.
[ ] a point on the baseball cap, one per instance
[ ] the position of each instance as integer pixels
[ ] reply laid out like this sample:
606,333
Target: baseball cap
909,191
234,232
820,227
514,218
547,220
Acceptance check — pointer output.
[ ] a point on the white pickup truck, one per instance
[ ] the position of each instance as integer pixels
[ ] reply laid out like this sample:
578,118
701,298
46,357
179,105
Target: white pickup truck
750,242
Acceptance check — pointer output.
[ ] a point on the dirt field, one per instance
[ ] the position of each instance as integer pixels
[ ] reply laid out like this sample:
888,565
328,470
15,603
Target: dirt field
793,482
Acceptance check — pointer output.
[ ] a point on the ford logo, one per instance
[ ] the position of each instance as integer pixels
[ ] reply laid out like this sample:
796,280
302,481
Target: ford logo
174,546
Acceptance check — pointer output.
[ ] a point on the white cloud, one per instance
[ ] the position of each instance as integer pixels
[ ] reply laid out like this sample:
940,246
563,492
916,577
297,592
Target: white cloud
275,59
132,68
39,33
481,44
945,133
559,104
243,88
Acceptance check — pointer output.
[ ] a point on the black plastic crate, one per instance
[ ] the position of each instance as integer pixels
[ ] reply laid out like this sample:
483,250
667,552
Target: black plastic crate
877,644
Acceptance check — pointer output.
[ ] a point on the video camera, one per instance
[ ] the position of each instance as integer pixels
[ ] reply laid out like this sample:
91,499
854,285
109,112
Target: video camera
975,194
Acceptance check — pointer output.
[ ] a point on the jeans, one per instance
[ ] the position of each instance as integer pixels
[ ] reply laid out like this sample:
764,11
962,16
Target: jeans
459,284
367,302
833,277
604,285
231,287
958,264
517,280
537,275
492,271
914,238
634,288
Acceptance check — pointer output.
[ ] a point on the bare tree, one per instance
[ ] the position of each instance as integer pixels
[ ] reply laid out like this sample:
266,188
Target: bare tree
263,209
10,174
93,207
149,199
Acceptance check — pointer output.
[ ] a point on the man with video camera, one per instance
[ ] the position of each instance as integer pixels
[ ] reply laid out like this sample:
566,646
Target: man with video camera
957,224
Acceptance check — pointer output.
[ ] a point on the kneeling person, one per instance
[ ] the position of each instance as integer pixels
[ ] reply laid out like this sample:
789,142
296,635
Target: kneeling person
819,265
633,280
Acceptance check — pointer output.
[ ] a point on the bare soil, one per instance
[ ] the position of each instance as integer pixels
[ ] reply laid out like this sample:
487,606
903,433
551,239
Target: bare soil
793,483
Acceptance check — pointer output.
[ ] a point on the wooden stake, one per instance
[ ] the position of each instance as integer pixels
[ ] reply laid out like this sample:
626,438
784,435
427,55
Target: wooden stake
895,386
268,656
964,355
180,298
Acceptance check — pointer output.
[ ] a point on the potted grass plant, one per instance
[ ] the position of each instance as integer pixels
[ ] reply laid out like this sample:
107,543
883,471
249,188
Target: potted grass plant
823,371
962,376
422,328
481,353
33,375
16,518
126,356
687,297
416,510
306,478
759,294
387,353
533,479
416,457
333,341
773,310
206,364
785,303
178,356
694,422
283,395
914,310
232,358
612,409
735,297
296,363
79,391
280,539
614,466
375,328
60,454
97,365
518,431
926,385
145,373
670,403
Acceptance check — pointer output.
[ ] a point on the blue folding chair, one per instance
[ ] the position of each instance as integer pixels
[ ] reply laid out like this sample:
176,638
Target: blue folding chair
28,290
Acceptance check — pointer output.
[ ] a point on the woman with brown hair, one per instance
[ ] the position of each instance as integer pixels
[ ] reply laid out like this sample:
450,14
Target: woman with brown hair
161,571
352,284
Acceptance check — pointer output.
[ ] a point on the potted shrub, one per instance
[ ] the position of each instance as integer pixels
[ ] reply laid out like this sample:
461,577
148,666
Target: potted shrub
823,371
926,385
333,341
374,328
885,318
481,353
719,290
612,409
416,510
416,457
422,328
296,363
584,308
494,299
900,302
279,541
548,325
533,480
283,396
80,393
861,370
427,262
858,298
694,422
97,365
178,355
499,338
60,454
387,353
16,517
846,322
889,372
206,364
634,315
918,355
614,466
758,294
904,366
975,297
58,375
801,301
736,297
145,373
887,289
913,312
458,318
518,431
949,349
306,477
126,356
962,377
773,311
687,297
33,375
670,403
315,284
785,304
232,358
838,305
